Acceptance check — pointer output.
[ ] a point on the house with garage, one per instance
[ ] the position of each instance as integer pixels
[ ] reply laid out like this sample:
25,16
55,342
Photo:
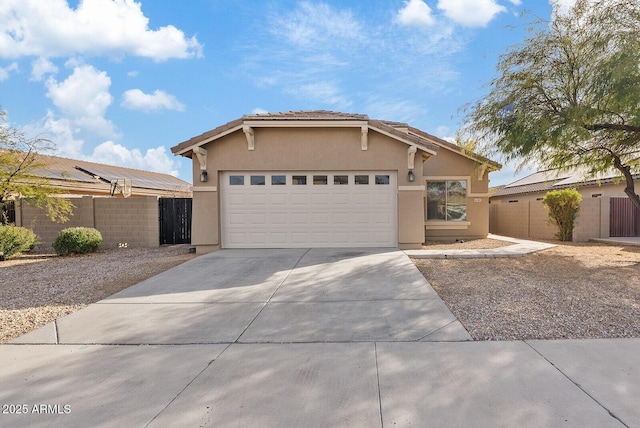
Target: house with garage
329,179
605,211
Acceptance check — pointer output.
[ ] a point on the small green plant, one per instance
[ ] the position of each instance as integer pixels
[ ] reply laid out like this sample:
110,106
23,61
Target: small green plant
77,240
564,206
16,240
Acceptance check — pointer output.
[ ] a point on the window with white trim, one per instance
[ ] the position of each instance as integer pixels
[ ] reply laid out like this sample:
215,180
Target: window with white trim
447,200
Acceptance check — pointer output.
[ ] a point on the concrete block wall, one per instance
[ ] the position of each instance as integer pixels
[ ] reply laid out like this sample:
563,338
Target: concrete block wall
529,219
509,219
593,219
130,222
540,225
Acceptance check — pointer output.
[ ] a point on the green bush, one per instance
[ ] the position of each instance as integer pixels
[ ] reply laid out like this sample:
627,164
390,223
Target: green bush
77,240
15,240
563,209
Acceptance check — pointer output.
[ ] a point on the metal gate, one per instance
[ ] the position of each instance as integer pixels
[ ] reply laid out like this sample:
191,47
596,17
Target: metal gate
624,218
175,220
8,212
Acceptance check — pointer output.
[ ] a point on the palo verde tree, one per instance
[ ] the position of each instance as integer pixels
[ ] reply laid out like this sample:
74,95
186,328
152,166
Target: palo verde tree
569,95
21,173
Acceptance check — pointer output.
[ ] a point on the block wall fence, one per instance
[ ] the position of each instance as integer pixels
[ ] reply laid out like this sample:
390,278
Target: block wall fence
130,222
530,220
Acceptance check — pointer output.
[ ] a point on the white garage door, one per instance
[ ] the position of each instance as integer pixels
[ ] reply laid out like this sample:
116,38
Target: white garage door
309,209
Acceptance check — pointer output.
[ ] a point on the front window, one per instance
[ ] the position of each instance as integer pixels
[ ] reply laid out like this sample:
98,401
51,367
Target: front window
447,200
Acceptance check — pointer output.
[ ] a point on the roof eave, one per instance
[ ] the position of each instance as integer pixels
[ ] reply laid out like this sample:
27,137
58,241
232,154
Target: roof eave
186,148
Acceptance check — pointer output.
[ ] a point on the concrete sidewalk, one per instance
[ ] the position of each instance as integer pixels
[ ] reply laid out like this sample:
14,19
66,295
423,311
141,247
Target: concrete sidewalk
313,338
520,248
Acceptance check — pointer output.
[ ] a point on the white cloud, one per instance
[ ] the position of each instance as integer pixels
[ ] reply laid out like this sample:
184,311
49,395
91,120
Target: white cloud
516,2
40,67
94,27
64,134
259,110
312,24
415,13
5,71
84,97
322,92
562,6
61,132
470,13
156,159
135,99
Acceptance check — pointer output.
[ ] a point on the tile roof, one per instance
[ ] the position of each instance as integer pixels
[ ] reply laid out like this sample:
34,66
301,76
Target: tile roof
397,129
72,170
307,115
544,181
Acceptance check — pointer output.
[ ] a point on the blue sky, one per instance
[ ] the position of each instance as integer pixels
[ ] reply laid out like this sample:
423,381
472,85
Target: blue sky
122,81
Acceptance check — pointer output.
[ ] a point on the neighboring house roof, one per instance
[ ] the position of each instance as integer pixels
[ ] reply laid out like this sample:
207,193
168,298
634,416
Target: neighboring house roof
76,176
397,130
544,181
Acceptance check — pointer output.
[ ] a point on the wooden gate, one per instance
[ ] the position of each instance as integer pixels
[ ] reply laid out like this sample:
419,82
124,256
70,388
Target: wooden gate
624,218
175,220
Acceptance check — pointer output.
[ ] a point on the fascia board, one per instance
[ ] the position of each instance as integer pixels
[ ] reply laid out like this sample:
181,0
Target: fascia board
407,142
208,140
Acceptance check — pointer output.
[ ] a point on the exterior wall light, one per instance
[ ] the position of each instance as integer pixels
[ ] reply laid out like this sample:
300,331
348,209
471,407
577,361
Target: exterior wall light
411,176
203,176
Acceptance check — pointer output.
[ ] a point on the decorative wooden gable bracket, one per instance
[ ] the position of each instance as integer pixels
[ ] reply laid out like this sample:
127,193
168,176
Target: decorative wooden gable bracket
411,152
364,141
202,157
249,133
481,170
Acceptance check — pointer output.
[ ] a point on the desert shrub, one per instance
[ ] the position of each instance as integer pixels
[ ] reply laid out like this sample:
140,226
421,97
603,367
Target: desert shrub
563,210
15,240
77,240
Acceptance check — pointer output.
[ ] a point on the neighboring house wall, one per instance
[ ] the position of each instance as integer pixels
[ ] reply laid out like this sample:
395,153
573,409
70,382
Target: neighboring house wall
131,222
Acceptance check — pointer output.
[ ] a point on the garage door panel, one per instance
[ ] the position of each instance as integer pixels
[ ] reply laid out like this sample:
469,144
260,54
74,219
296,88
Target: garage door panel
279,218
311,215
340,218
279,198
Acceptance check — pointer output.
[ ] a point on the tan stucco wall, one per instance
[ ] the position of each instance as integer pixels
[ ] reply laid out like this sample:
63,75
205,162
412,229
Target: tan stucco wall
448,164
328,149
205,220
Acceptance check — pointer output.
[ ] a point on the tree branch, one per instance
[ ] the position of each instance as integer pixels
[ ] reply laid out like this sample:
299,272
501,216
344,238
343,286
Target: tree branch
612,127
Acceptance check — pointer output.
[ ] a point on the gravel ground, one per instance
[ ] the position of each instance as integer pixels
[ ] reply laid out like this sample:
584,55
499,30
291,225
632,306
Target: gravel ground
570,291
35,290
473,244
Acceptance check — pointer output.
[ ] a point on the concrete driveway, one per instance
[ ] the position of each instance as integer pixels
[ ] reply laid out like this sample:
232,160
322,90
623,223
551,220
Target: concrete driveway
321,337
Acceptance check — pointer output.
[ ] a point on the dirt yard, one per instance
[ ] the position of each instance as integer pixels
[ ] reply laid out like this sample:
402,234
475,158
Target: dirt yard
570,291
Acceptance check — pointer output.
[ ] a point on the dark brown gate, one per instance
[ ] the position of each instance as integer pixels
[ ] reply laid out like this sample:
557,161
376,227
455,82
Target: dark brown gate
624,218
175,220
8,212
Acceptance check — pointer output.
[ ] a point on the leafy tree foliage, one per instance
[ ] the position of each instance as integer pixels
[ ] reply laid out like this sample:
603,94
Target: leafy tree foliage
568,96
564,206
21,173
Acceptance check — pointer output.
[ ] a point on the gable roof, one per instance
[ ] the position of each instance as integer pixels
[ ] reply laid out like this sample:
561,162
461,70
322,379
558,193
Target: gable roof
320,118
77,175
544,181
